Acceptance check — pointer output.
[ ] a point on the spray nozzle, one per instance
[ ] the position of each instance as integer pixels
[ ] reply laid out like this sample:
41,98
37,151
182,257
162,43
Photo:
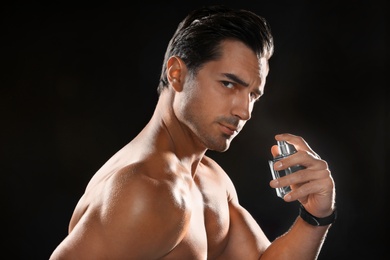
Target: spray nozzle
285,148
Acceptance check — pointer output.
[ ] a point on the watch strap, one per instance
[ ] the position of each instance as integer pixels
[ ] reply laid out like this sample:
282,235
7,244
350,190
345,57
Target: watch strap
313,220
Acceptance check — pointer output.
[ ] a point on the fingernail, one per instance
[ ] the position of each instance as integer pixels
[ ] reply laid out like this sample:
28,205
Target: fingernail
278,164
274,183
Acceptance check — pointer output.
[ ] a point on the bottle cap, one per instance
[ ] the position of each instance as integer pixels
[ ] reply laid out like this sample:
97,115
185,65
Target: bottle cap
285,148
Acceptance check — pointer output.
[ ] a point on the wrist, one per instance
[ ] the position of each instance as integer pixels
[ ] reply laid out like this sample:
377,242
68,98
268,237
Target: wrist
315,221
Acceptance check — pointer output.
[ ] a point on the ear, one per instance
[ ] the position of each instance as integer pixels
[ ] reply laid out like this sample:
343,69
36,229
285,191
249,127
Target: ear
176,70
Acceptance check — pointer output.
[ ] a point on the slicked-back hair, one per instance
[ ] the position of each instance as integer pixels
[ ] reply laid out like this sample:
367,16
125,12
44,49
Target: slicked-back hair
198,37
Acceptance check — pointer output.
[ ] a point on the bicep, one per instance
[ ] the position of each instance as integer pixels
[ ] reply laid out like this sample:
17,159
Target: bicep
246,239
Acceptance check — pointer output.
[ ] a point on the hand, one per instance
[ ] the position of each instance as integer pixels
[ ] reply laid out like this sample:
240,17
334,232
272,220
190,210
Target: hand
313,186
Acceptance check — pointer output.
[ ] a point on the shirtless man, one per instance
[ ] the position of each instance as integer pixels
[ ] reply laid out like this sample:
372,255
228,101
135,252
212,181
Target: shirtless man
161,197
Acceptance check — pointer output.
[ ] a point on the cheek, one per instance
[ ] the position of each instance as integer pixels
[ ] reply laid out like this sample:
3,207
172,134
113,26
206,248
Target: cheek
198,99
188,104
196,105
201,98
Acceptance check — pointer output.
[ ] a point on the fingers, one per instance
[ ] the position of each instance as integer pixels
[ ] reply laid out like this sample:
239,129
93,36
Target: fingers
313,186
303,158
300,180
314,169
314,189
274,150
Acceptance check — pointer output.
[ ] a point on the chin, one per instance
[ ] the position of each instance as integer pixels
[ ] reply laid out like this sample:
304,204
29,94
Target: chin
220,147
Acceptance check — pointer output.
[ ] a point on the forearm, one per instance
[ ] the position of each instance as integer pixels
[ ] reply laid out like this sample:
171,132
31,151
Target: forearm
302,241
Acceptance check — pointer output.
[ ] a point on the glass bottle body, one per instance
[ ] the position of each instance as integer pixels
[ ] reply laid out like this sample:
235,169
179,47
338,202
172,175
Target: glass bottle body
285,150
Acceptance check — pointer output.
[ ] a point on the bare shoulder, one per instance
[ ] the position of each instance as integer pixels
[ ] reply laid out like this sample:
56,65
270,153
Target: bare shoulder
146,193
142,188
145,188
140,198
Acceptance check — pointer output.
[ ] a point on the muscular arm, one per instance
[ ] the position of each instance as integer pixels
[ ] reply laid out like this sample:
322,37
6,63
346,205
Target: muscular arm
312,187
302,241
246,238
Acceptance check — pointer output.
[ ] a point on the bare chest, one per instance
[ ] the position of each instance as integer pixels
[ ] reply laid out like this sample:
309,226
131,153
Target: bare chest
207,235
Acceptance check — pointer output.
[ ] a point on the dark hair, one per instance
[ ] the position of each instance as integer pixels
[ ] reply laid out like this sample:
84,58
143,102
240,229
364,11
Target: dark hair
198,37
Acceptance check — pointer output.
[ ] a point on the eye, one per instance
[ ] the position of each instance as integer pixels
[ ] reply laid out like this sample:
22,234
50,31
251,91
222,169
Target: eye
255,97
228,84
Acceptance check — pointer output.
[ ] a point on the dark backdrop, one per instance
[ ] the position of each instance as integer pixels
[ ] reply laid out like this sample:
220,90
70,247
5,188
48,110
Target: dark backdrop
78,83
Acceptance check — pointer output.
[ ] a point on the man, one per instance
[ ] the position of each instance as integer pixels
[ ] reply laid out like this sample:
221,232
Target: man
161,197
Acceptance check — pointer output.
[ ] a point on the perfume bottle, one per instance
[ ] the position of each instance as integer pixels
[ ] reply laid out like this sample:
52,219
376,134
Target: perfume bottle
285,149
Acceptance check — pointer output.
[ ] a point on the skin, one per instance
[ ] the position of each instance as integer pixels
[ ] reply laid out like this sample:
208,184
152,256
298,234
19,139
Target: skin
161,197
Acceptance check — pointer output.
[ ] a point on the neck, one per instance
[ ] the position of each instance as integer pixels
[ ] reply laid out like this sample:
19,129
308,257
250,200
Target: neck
167,133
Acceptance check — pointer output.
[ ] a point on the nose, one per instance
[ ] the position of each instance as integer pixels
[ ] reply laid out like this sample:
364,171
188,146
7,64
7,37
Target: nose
242,107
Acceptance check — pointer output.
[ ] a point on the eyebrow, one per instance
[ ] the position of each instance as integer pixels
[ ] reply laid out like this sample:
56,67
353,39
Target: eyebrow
236,79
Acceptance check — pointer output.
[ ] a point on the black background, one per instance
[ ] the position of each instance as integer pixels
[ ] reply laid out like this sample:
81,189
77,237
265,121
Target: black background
79,82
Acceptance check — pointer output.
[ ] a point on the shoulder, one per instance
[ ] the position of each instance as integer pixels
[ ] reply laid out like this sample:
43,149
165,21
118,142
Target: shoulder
140,190
136,212
145,193
144,199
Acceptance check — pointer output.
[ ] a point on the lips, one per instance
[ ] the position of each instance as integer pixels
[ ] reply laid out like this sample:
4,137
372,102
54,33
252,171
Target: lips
229,130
